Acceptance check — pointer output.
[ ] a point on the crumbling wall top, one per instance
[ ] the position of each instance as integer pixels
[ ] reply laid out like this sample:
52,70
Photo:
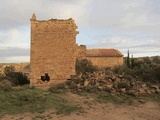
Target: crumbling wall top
33,17
70,20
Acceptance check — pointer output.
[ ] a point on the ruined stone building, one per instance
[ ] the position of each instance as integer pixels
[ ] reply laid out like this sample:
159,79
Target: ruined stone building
54,51
105,57
100,57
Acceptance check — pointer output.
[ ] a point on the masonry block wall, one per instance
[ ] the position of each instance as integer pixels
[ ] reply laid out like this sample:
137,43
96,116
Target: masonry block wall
105,57
53,49
106,61
81,52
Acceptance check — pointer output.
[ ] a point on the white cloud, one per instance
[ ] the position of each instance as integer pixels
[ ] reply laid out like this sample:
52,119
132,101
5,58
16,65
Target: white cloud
10,35
104,23
16,59
118,40
128,6
15,35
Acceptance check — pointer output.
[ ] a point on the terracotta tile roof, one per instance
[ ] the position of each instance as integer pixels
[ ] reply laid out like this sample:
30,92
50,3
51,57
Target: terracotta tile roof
103,53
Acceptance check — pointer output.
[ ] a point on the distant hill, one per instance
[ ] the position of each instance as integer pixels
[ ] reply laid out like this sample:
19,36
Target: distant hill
152,59
19,67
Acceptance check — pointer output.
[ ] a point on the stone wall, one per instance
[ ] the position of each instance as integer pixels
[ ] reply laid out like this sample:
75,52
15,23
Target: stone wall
106,61
81,52
53,50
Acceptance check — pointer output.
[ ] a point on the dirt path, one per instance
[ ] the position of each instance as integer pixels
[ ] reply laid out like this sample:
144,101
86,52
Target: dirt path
96,111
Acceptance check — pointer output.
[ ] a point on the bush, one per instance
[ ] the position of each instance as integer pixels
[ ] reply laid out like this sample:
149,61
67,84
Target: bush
145,71
20,79
16,78
91,89
59,88
120,69
2,77
9,71
84,65
5,85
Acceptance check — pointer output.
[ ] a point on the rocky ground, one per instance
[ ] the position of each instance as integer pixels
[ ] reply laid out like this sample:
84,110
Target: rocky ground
96,111
114,83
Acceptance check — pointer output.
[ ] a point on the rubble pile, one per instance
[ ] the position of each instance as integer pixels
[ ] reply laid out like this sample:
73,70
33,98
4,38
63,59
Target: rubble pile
109,82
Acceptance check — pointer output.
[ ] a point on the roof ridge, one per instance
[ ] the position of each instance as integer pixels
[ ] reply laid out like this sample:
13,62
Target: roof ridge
104,53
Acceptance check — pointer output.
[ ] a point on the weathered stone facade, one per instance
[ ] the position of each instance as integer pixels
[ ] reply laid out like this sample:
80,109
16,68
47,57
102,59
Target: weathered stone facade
53,50
106,61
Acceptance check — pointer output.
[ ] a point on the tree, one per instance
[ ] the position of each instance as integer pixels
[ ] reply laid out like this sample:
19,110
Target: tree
132,62
128,60
147,60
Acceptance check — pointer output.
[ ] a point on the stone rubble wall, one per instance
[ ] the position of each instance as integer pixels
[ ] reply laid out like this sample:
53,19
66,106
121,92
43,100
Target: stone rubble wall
113,83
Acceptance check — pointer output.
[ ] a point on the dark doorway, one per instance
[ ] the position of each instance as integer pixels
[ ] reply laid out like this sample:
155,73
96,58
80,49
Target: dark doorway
46,77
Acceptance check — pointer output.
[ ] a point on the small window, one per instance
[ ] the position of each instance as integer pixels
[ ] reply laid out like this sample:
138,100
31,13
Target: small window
46,77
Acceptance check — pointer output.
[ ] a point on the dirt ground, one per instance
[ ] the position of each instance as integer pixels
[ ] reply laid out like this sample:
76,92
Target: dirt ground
96,111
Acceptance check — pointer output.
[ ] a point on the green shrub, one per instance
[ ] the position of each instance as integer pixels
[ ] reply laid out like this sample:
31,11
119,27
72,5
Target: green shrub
73,86
120,69
84,65
59,88
9,71
107,89
129,77
5,85
91,89
145,71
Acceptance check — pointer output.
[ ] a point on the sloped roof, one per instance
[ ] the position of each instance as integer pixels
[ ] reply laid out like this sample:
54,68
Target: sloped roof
103,53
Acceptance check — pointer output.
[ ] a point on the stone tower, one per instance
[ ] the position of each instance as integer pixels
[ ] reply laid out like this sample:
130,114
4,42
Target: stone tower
53,50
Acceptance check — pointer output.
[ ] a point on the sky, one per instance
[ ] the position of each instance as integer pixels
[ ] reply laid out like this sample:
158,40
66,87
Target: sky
118,24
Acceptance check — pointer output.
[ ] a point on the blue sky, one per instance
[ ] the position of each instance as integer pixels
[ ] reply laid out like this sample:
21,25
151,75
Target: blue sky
119,24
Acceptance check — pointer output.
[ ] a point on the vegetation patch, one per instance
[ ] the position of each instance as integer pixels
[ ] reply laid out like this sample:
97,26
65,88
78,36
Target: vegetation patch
153,98
116,99
34,100
5,85
84,65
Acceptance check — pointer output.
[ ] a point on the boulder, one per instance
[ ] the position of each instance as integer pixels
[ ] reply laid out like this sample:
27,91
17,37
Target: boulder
157,91
148,91
86,82
155,87
113,77
100,88
78,85
123,90
142,92
142,101
109,86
